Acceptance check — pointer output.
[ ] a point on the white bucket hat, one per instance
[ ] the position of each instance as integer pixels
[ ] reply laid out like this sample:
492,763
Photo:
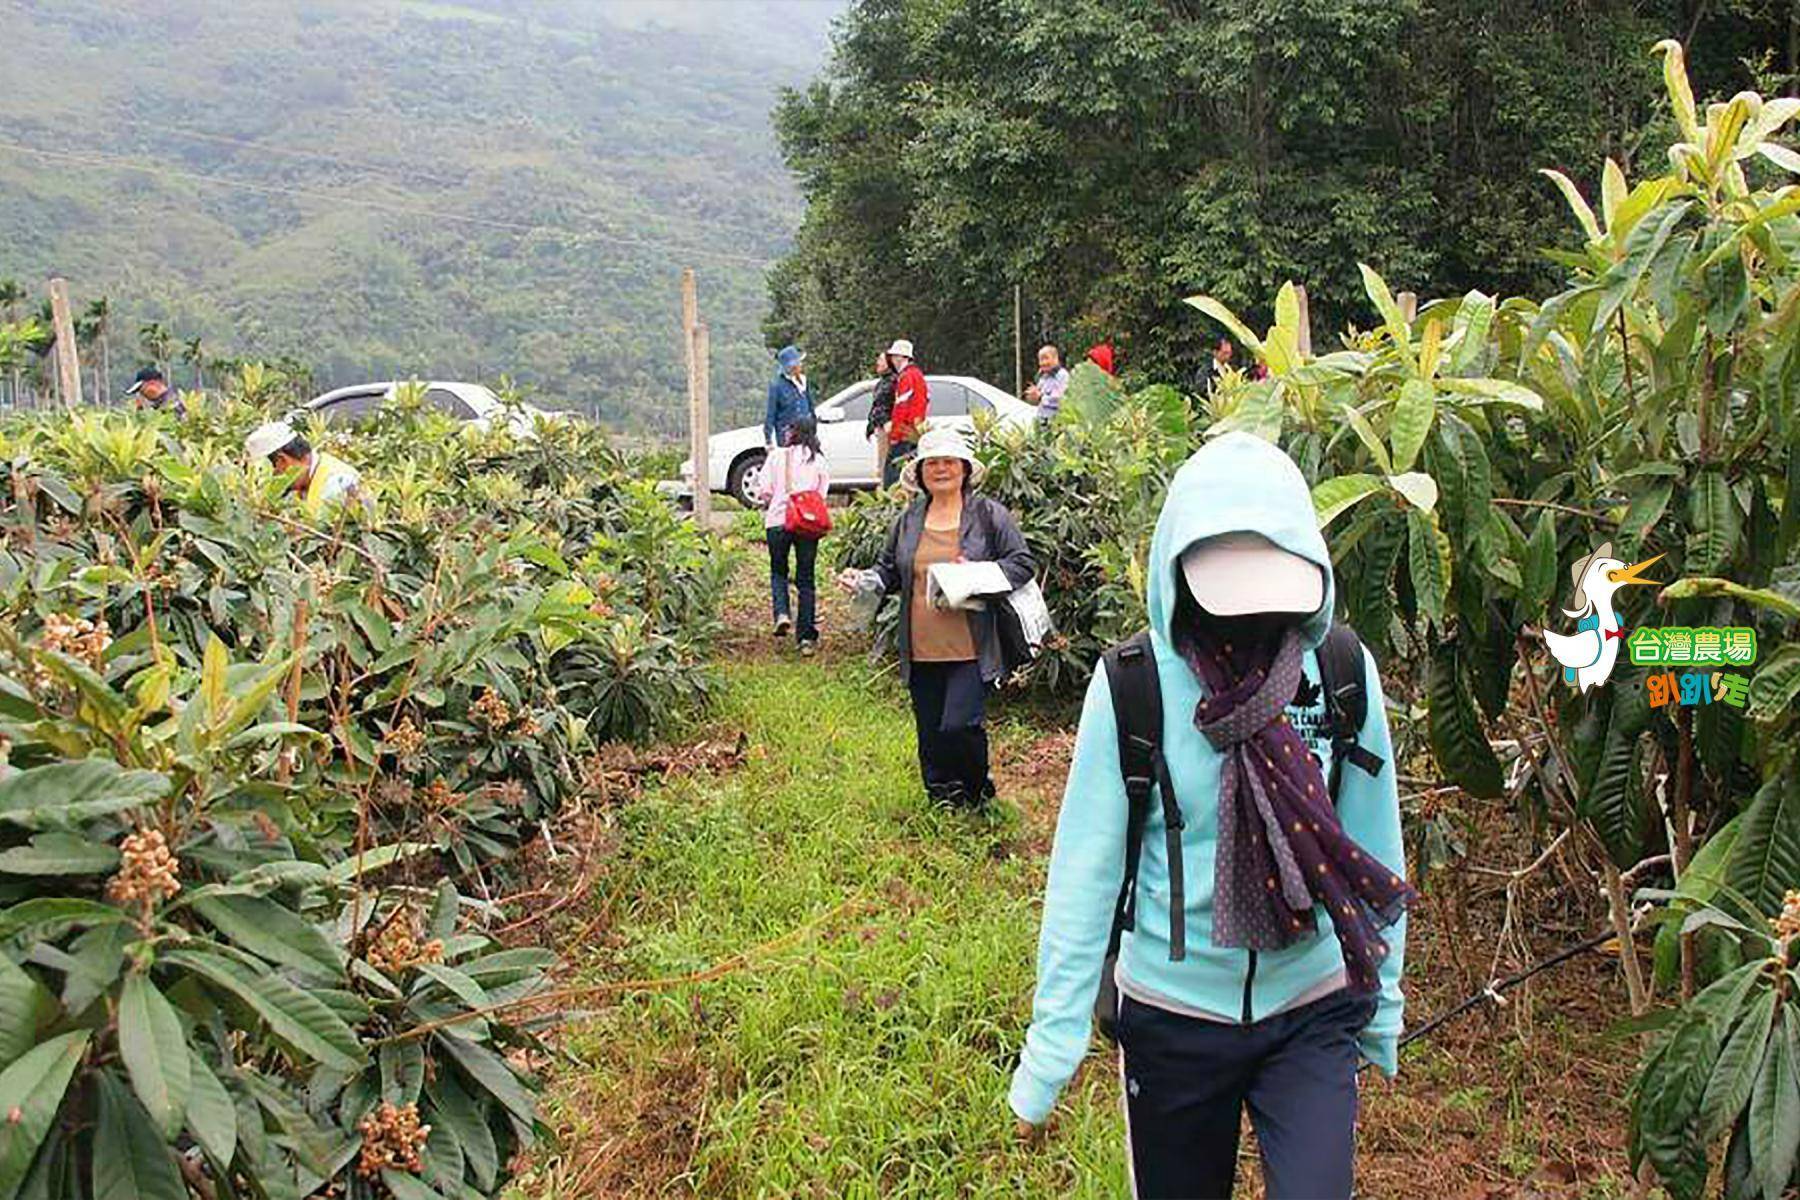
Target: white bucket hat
902,347
944,442
1235,574
267,439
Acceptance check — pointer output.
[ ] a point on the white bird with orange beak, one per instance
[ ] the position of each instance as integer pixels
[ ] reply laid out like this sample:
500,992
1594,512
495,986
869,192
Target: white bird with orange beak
1588,654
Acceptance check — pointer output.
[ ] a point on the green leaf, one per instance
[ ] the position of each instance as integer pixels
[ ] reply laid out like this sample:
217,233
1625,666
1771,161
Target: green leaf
1765,861
57,912
34,1085
1371,440
456,983
1420,489
20,997
1577,203
1457,742
402,1071
272,931
1612,798
1395,320
408,1187
63,794
492,1073
1775,1118
1715,523
1474,318
1333,497
59,854
1538,571
297,1017
155,1052
1428,556
211,1117
1645,510
1735,1072
1497,391
1612,192
374,859
1687,589
1224,316
131,1161
1641,248
212,678
1775,684
467,1121
1410,423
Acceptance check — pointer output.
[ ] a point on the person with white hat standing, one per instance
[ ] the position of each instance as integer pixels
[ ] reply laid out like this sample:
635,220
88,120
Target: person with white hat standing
912,405
321,479
1227,889
948,657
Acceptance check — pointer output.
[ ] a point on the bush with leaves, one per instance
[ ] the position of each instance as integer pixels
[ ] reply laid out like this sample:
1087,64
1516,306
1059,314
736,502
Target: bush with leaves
258,767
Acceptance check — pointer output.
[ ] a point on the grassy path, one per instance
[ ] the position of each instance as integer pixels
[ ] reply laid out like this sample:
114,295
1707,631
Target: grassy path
870,1059
871,1055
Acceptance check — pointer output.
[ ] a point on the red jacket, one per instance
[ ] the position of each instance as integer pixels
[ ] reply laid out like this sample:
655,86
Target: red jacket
912,403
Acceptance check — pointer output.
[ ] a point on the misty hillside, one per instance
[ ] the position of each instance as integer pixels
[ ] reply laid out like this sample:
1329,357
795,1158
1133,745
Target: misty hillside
393,187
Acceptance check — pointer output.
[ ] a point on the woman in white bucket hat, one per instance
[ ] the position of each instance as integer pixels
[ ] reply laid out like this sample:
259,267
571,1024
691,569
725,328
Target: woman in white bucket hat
948,657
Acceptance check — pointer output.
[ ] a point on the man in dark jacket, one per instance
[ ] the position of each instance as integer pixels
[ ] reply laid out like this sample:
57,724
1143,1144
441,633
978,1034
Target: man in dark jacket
788,397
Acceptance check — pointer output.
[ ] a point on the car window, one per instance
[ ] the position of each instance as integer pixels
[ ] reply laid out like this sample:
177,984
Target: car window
979,403
947,399
856,404
447,401
351,408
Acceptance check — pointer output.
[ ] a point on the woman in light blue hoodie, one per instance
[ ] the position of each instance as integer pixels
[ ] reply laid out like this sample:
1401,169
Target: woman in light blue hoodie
1261,996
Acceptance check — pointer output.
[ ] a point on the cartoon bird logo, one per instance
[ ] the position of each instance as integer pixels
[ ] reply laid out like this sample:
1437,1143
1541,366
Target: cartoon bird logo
1588,654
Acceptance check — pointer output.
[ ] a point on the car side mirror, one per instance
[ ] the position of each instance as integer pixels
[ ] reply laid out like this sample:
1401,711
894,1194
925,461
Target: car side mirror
830,415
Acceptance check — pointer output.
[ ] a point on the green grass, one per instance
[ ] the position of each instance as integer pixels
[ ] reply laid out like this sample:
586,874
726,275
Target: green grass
872,1059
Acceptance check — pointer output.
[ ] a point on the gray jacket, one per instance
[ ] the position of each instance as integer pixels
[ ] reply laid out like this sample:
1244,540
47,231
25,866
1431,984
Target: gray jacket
989,534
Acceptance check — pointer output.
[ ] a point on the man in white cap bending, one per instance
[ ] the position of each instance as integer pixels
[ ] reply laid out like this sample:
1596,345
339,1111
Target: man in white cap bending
323,479
912,403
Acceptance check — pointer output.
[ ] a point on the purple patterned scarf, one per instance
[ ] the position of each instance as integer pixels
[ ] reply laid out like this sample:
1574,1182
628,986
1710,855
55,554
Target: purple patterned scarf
1281,848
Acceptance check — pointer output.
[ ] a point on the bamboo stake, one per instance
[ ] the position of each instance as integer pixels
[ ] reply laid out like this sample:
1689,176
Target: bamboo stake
68,363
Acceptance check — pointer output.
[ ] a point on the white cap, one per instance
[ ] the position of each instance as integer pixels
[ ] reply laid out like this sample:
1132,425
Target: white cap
902,347
1234,574
267,439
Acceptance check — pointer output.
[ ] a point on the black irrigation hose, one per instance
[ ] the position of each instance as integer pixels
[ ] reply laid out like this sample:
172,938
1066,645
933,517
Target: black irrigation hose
1492,991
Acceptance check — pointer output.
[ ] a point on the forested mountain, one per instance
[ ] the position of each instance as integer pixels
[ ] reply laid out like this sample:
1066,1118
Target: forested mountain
1113,156
391,187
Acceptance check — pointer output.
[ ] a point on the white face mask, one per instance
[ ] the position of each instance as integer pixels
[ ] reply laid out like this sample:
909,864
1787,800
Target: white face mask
1235,574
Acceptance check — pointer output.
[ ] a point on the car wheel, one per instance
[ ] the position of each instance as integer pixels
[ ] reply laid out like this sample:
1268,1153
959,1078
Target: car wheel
746,478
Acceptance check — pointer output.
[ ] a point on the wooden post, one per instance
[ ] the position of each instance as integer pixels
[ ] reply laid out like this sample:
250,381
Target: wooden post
693,339
1409,305
701,418
1018,340
68,365
1305,334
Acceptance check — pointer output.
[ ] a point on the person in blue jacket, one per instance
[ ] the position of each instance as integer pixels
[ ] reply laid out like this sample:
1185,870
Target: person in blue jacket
1287,972
788,397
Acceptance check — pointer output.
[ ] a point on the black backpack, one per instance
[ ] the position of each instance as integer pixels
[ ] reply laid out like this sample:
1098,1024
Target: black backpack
1137,709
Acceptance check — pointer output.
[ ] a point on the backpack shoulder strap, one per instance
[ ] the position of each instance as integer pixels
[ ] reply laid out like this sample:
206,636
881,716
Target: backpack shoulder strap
1136,687
1345,683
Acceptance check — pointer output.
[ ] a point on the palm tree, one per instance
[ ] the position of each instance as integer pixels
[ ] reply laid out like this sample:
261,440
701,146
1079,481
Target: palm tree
99,314
195,355
157,344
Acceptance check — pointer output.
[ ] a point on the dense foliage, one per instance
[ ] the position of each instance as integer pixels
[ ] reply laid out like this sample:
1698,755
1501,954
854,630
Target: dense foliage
1114,155
561,141
262,774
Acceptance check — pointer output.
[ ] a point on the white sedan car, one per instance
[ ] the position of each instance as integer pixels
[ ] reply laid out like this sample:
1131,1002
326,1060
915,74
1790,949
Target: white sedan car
469,403
736,456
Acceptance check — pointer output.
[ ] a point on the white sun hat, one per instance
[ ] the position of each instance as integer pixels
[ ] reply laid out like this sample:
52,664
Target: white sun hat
267,439
943,442
1235,574
902,347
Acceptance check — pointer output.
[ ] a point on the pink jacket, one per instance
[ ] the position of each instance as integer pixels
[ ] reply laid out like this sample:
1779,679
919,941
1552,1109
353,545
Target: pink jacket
792,469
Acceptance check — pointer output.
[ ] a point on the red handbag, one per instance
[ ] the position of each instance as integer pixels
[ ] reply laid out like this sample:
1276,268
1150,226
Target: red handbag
808,516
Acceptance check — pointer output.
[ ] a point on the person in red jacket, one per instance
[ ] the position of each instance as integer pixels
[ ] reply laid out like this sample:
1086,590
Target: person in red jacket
912,403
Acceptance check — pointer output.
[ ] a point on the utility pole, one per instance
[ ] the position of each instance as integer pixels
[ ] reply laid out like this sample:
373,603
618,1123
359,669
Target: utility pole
1305,334
694,338
68,364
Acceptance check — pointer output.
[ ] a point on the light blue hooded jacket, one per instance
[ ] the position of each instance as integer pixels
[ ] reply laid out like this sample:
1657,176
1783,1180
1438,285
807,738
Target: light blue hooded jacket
1236,483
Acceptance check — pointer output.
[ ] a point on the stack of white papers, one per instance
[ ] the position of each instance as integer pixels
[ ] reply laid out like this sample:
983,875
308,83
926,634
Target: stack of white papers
965,584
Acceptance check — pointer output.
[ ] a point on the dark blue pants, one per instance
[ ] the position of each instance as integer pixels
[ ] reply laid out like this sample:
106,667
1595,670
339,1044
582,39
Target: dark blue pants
1187,1081
806,557
949,704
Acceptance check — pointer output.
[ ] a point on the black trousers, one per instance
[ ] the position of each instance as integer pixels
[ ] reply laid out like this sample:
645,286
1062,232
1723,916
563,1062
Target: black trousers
898,453
949,704
806,555
1187,1081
